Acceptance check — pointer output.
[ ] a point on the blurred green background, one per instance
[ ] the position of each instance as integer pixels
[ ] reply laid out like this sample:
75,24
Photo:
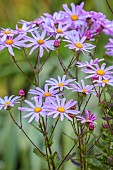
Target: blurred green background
15,149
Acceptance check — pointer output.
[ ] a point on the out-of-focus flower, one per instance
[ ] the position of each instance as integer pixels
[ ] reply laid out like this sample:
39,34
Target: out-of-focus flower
105,125
61,83
109,47
39,41
89,118
8,102
6,32
23,29
61,108
34,110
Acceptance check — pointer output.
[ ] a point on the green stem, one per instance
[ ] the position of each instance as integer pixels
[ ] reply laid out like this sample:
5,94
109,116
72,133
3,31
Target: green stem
22,71
25,133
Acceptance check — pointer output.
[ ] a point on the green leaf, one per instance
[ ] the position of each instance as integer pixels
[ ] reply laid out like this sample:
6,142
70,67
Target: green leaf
36,152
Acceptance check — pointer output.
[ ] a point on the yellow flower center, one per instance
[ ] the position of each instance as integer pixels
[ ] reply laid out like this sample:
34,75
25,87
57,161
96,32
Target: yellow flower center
7,32
40,41
37,109
100,72
78,45
61,109
84,90
61,84
20,29
46,94
74,17
105,81
7,103
9,42
59,31
34,21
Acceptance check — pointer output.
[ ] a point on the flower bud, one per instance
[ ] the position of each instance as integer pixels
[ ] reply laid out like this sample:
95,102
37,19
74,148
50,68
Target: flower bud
91,126
21,93
105,126
71,115
56,43
73,107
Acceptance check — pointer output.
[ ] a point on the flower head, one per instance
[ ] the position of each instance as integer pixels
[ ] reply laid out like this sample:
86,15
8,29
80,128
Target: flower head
99,72
34,110
61,83
85,89
46,93
39,41
8,102
61,108
12,42
89,118
78,44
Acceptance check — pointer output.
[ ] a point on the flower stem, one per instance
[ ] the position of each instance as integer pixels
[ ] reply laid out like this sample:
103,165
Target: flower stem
20,127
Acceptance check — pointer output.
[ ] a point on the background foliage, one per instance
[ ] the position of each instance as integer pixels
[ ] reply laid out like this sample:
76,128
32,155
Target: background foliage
15,149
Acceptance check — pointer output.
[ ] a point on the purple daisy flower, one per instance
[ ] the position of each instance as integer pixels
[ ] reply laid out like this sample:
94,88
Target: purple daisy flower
6,32
77,16
109,47
85,89
11,43
91,62
103,82
39,41
99,72
8,102
78,44
90,118
61,108
60,31
60,83
34,110
23,29
46,93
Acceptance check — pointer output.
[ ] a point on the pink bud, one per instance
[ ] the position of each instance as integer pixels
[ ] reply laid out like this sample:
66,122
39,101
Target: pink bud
21,93
56,43
105,126
71,115
91,126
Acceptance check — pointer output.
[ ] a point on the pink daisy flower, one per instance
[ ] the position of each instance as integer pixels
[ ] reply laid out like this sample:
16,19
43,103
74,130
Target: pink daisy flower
89,118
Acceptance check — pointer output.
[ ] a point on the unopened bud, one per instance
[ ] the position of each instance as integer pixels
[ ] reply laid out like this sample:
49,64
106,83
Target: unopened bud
73,107
91,126
71,115
105,126
56,43
21,93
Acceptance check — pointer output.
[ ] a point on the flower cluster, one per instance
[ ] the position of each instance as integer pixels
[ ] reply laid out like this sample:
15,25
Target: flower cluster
49,102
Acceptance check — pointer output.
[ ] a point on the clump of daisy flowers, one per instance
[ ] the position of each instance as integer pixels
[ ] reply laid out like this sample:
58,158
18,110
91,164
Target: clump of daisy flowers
66,97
